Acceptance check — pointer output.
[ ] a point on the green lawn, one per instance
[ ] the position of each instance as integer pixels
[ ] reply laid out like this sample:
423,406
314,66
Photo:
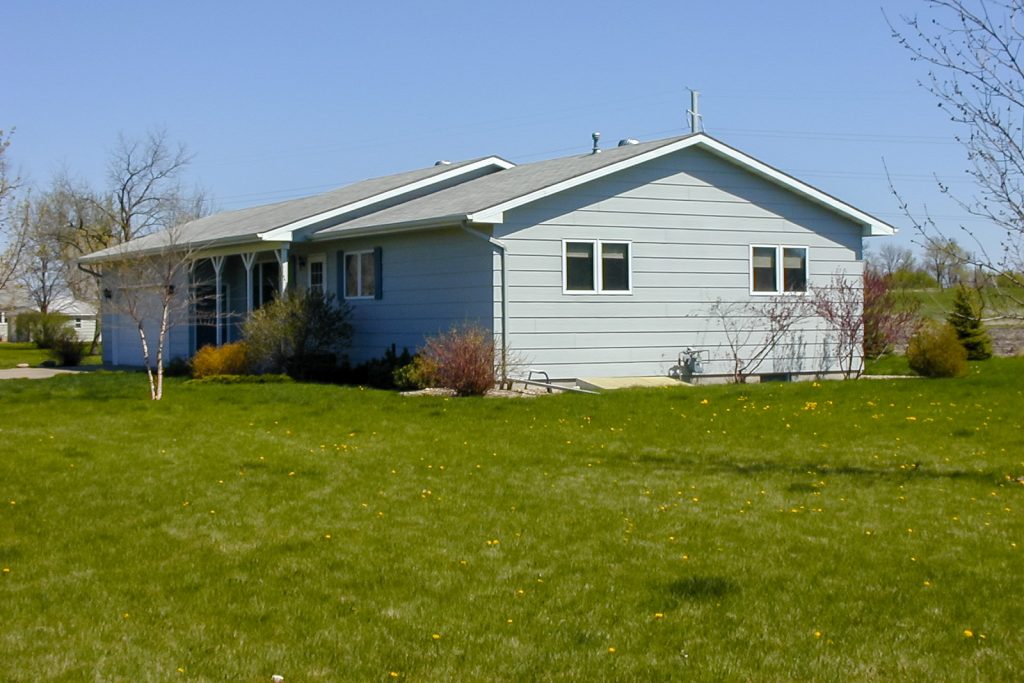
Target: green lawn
836,531
14,353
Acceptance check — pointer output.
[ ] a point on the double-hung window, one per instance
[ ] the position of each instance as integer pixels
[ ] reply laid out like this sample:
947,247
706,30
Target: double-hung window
316,274
778,269
360,275
597,267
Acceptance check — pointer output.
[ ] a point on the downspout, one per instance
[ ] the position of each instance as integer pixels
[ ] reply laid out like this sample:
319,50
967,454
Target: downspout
502,251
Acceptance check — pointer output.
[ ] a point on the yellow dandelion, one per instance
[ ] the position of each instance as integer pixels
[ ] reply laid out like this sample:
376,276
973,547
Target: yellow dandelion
817,634
393,674
436,636
659,615
968,633
327,536
611,650
7,570
703,403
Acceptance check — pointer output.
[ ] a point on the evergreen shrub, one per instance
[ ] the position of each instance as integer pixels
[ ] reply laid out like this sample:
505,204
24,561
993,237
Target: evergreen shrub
935,351
966,320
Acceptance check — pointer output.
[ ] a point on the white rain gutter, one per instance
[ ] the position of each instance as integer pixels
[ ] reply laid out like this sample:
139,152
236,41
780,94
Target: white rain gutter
502,251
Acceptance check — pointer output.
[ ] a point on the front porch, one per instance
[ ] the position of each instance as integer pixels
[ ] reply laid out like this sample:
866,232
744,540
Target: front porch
227,287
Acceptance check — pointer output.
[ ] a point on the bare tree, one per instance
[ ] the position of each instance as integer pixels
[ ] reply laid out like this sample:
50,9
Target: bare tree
153,290
12,243
946,260
840,303
891,258
44,273
973,52
146,194
753,330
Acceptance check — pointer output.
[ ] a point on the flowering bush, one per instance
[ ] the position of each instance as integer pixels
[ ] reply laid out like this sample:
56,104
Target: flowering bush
229,359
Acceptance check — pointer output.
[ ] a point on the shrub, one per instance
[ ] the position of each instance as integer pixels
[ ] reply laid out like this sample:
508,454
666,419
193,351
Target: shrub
229,359
42,328
299,333
416,375
66,348
178,367
461,359
935,351
966,320
378,372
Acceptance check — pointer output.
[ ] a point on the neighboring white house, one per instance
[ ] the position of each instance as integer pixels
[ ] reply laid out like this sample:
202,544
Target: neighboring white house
81,315
597,265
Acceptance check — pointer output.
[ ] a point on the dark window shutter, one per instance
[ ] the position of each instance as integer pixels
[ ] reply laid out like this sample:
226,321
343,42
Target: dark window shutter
378,274
341,276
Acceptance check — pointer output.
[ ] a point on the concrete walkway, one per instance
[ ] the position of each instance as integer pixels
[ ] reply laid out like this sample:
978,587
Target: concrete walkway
38,373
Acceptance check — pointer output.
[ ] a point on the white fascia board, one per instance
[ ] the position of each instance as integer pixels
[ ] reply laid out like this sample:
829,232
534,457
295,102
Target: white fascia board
197,249
872,225
285,232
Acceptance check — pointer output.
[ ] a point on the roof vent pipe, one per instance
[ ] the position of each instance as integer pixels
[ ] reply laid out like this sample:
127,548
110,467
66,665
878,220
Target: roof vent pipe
628,141
595,136
442,162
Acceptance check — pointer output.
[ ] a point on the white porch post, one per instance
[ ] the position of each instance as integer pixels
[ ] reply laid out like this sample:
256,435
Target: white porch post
218,267
248,260
282,259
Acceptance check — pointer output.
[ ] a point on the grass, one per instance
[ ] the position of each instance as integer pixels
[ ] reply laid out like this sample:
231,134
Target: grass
937,303
889,364
14,353
841,531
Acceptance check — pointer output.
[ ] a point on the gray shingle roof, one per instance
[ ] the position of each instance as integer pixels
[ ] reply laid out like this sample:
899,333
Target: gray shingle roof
243,224
482,193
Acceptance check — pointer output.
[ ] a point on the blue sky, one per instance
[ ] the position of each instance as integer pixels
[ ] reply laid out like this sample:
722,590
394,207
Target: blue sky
278,100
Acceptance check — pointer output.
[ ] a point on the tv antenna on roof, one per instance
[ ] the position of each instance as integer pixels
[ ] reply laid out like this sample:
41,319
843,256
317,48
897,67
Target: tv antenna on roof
696,120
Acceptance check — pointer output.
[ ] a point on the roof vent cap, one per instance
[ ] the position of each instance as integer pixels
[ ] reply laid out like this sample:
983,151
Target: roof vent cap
442,162
628,141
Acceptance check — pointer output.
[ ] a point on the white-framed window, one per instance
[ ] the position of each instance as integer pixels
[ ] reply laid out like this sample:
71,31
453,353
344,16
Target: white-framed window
778,269
316,275
360,275
78,323
597,267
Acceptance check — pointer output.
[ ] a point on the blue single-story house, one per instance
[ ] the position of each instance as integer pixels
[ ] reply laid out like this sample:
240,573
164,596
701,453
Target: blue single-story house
605,264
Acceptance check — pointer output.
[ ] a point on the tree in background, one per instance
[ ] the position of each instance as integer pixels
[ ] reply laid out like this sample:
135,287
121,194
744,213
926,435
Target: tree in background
892,258
972,49
44,272
890,315
145,194
945,260
12,241
967,321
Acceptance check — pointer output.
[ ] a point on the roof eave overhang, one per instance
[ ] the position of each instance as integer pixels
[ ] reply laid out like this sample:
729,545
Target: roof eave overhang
197,248
287,232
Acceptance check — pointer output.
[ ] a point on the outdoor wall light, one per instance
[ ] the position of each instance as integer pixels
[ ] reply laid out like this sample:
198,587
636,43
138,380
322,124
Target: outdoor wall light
107,294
